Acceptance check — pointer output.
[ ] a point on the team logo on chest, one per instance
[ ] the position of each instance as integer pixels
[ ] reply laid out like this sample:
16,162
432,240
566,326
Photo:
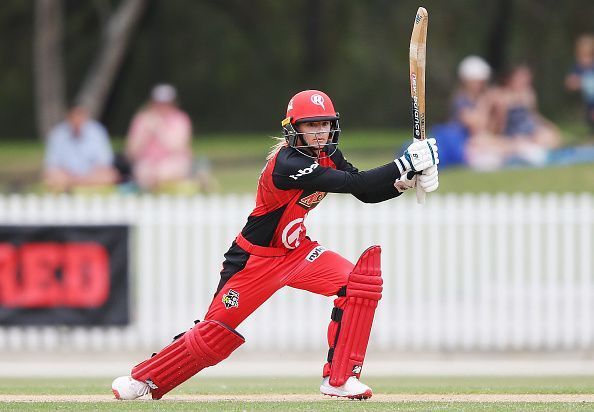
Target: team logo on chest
231,299
309,201
291,233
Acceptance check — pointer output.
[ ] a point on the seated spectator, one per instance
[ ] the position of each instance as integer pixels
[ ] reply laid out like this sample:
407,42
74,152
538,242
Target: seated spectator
581,76
78,153
468,139
159,141
470,107
516,116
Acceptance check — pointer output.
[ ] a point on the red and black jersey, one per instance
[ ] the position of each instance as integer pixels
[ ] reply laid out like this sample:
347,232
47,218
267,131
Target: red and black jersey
291,184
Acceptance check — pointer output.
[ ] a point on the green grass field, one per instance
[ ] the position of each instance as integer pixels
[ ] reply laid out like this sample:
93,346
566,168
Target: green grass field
237,160
301,394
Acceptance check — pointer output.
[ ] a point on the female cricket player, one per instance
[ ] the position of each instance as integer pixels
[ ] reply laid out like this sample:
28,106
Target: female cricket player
273,251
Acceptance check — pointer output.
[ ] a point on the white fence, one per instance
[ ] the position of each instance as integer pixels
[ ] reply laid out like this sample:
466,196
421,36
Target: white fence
461,272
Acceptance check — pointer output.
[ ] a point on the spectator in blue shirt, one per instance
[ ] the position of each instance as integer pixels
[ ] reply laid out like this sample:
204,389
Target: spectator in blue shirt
581,77
78,153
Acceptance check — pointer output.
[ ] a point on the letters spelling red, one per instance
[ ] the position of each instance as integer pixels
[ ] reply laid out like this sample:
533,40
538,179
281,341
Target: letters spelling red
48,275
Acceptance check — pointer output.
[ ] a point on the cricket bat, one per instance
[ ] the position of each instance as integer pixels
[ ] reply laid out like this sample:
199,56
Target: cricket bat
417,60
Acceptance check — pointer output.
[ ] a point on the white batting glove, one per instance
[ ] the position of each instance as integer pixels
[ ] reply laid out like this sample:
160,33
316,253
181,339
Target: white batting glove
406,181
428,180
420,155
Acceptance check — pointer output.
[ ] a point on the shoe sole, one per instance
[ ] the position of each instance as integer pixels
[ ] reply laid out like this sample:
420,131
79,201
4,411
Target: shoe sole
117,394
360,397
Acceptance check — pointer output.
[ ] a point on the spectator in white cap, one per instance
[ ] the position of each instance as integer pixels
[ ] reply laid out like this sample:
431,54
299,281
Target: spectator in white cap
472,108
163,93
159,143
469,105
474,68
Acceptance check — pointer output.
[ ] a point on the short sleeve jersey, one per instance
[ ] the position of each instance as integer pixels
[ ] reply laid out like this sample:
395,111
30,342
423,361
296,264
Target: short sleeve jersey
292,184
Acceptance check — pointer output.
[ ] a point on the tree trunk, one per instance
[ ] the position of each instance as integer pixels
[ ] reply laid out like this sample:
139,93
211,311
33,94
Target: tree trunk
115,38
315,62
497,40
48,72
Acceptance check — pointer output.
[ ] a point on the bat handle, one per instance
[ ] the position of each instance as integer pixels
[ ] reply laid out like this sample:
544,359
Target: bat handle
421,195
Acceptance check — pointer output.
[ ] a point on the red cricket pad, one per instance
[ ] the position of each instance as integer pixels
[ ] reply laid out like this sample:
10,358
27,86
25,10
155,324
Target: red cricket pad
348,333
204,345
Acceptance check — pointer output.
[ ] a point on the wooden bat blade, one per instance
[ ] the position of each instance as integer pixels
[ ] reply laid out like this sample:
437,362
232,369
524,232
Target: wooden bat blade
417,62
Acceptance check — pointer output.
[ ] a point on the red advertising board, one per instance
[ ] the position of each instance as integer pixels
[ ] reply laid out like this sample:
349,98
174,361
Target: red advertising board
72,275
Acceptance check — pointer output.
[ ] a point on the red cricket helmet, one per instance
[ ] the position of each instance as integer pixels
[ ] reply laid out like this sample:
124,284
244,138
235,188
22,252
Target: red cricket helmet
310,106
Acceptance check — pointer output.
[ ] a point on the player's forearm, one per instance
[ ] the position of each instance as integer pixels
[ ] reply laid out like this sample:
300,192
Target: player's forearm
337,181
367,182
379,195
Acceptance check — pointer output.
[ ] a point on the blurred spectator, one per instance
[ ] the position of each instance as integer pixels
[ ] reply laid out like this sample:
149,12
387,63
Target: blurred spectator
470,107
159,143
78,153
468,139
581,76
517,117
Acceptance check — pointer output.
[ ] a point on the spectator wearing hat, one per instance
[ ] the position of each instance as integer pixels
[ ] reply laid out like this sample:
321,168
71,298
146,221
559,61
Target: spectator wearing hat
78,154
470,105
467,138
159,142
473,108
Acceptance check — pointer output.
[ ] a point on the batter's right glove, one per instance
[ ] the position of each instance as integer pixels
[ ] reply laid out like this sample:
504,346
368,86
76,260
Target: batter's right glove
405,182
428,180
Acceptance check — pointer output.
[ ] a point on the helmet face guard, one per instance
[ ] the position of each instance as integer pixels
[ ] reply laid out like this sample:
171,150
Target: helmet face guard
311,106
297,140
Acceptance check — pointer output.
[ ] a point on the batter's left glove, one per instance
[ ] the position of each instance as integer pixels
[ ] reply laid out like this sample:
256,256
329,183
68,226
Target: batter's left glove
420,155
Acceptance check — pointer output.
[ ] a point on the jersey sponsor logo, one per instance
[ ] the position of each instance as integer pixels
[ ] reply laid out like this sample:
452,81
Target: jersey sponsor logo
231,299
315,253
304,171
318,100
291,233
311,201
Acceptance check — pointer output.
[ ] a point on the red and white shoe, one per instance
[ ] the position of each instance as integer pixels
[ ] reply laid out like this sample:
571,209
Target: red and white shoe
352,389
126,388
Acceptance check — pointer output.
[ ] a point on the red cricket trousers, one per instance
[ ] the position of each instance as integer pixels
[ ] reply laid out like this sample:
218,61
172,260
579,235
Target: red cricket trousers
309,267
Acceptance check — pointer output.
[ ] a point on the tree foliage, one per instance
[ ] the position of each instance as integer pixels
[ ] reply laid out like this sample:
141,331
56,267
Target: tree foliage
236,62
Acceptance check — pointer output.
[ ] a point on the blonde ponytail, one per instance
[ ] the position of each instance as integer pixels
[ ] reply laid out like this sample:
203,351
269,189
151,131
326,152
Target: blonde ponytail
280,143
